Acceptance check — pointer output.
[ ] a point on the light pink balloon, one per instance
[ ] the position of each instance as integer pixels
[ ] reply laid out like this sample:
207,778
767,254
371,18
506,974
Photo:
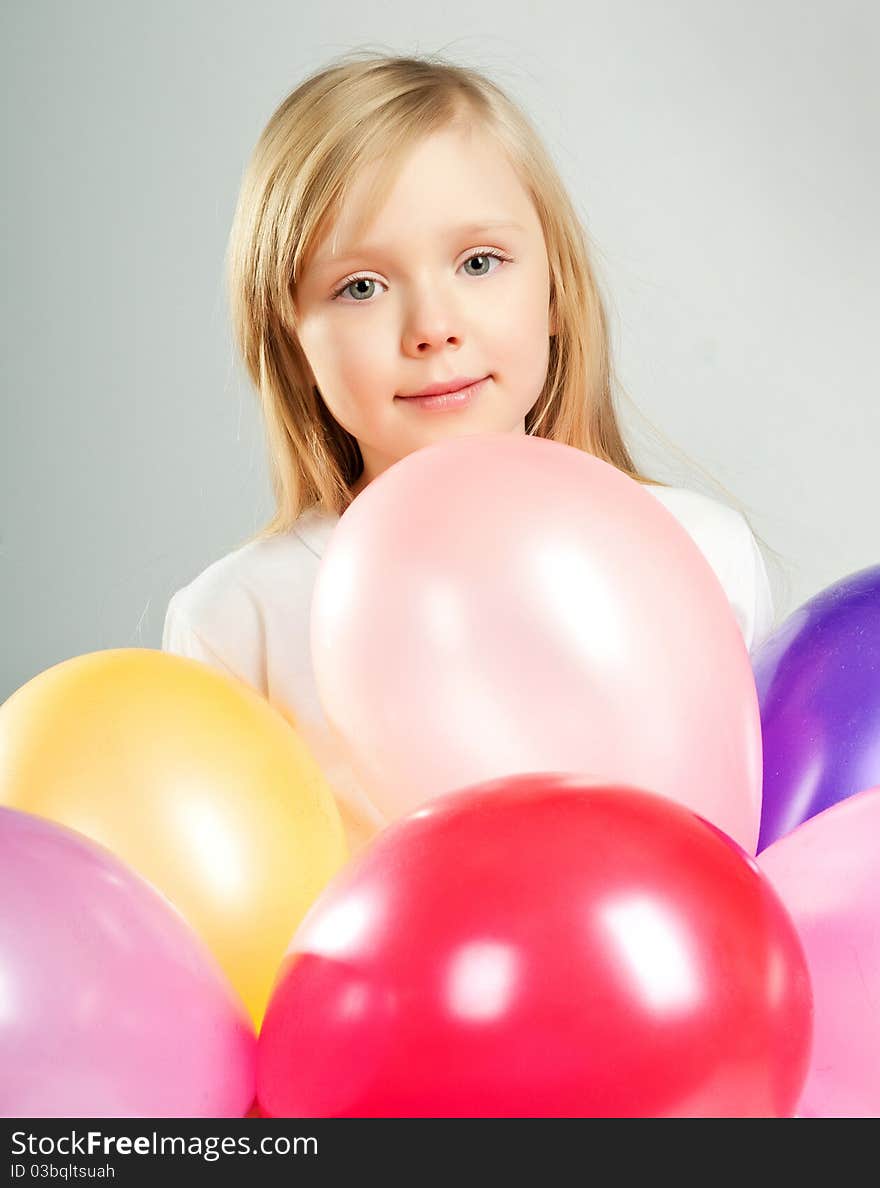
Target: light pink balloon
500,604
110,1006
827,873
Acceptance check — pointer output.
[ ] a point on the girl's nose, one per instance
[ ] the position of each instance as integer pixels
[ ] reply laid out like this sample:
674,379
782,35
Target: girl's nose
431,324
424,345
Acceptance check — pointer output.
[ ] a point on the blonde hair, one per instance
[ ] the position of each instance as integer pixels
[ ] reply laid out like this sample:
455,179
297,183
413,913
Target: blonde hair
341,118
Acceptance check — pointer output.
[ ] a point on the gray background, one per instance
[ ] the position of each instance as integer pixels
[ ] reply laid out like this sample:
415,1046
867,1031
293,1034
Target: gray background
724,158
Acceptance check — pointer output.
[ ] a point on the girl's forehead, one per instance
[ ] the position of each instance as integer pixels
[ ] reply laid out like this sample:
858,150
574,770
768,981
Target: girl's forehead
491,194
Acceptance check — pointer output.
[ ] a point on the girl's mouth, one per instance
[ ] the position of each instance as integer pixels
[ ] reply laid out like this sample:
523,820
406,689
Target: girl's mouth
448,400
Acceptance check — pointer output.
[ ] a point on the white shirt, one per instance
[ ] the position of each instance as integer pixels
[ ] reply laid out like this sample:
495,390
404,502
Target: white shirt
248,614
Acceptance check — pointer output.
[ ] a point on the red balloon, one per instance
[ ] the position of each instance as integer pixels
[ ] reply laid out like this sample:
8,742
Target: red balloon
537,946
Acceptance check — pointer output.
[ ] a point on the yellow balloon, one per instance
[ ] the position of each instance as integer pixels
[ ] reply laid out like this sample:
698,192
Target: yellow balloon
191,778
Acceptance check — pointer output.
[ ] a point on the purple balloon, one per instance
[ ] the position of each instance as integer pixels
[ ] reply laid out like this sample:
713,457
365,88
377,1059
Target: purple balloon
818,681
110,1005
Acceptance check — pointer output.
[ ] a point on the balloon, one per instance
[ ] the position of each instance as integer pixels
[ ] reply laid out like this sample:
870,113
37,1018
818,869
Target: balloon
501,603
827,873
818,681
360,819
112,1006
537,946
192,779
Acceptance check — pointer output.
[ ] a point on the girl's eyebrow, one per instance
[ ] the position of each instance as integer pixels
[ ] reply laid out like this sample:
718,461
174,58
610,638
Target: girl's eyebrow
325,260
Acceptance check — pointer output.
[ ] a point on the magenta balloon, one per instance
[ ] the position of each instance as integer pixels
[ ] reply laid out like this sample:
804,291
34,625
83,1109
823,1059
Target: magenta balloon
501,604
827,873
818,680
110,1006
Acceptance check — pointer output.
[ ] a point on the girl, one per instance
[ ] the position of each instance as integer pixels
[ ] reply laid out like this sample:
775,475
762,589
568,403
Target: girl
405,265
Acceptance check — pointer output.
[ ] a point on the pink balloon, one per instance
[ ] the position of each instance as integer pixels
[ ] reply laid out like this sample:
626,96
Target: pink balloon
827,873
110,1006
501,604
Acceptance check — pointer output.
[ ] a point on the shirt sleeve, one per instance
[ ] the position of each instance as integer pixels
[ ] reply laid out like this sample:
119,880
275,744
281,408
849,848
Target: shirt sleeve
762,616
240,658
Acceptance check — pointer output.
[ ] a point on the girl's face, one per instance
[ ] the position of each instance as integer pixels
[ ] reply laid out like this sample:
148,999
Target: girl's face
449,282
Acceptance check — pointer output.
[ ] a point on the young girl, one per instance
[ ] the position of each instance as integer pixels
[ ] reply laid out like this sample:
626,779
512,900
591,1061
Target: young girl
402,231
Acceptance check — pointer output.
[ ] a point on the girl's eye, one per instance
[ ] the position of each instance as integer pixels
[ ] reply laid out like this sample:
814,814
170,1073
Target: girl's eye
362,292
356,284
